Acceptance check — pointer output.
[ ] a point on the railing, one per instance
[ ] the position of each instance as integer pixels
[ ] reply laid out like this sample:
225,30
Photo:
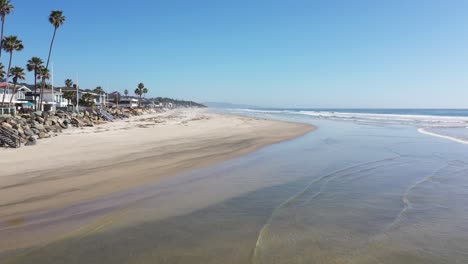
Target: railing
7,110
105,115
9,138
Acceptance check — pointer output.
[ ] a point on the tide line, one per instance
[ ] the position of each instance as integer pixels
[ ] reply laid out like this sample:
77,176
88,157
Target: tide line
425,132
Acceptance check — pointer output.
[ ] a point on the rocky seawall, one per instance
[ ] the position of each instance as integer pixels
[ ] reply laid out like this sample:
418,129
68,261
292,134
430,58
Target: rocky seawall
27,128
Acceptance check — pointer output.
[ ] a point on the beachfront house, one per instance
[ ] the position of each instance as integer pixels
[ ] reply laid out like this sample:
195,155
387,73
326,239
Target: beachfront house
51,99
128,102
18,100
99,100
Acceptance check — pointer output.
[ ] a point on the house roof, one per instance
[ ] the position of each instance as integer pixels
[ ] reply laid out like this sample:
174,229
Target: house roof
19,87
80,90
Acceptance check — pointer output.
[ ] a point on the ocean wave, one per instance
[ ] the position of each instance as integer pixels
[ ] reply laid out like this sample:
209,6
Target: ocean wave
378,118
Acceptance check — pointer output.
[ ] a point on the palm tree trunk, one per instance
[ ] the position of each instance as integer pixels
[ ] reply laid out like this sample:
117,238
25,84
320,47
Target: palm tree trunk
35,87
47,67
7,75
50,48
41,95
13,94
1,40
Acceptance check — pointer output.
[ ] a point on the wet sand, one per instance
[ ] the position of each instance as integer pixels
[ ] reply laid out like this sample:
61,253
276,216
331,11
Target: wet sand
346,193
86,164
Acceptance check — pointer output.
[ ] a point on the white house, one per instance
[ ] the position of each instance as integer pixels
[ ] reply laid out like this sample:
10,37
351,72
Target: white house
16,99
128,102
99,99
51,99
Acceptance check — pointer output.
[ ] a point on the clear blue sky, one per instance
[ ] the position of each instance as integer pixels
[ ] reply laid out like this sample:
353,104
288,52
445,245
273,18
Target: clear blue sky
298,53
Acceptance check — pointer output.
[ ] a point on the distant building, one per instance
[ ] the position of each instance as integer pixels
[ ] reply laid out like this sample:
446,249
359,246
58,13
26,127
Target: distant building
128,102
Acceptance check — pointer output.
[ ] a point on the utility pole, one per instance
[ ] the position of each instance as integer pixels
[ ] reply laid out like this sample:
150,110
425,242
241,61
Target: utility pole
77,95
53,96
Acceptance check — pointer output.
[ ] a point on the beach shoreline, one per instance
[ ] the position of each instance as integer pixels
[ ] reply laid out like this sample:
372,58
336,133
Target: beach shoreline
85,164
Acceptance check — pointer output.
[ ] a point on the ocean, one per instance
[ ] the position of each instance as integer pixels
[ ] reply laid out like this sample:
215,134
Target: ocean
451,124
368,186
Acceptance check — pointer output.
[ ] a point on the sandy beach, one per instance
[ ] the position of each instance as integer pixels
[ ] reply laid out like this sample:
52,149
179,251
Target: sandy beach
87,163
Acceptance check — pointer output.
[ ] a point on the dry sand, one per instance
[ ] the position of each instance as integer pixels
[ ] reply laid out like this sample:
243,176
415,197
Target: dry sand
84,164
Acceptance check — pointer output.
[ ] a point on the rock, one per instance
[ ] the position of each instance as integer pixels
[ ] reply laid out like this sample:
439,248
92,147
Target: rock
28,132
37,113
37,126
20,130
62,124
76,122
57,129
6,125
31,141
43,135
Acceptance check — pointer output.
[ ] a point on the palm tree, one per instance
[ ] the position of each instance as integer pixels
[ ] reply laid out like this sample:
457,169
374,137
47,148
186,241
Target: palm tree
10,44
56,18
87,100
69,95
18,74
98,90
69,83
2,71
126,93
139,92
43,75
34,64
5,9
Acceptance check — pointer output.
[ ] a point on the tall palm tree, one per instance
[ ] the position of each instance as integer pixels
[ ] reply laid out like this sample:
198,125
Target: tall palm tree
43,75
56,18
10,44
126,93
69,83
5,9
139,92
18,74
34,64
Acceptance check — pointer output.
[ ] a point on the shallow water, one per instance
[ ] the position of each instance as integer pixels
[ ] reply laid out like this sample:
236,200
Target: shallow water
346,193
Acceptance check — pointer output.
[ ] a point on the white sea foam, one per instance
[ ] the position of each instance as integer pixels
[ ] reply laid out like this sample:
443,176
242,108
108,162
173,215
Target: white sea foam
458,140
415,120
